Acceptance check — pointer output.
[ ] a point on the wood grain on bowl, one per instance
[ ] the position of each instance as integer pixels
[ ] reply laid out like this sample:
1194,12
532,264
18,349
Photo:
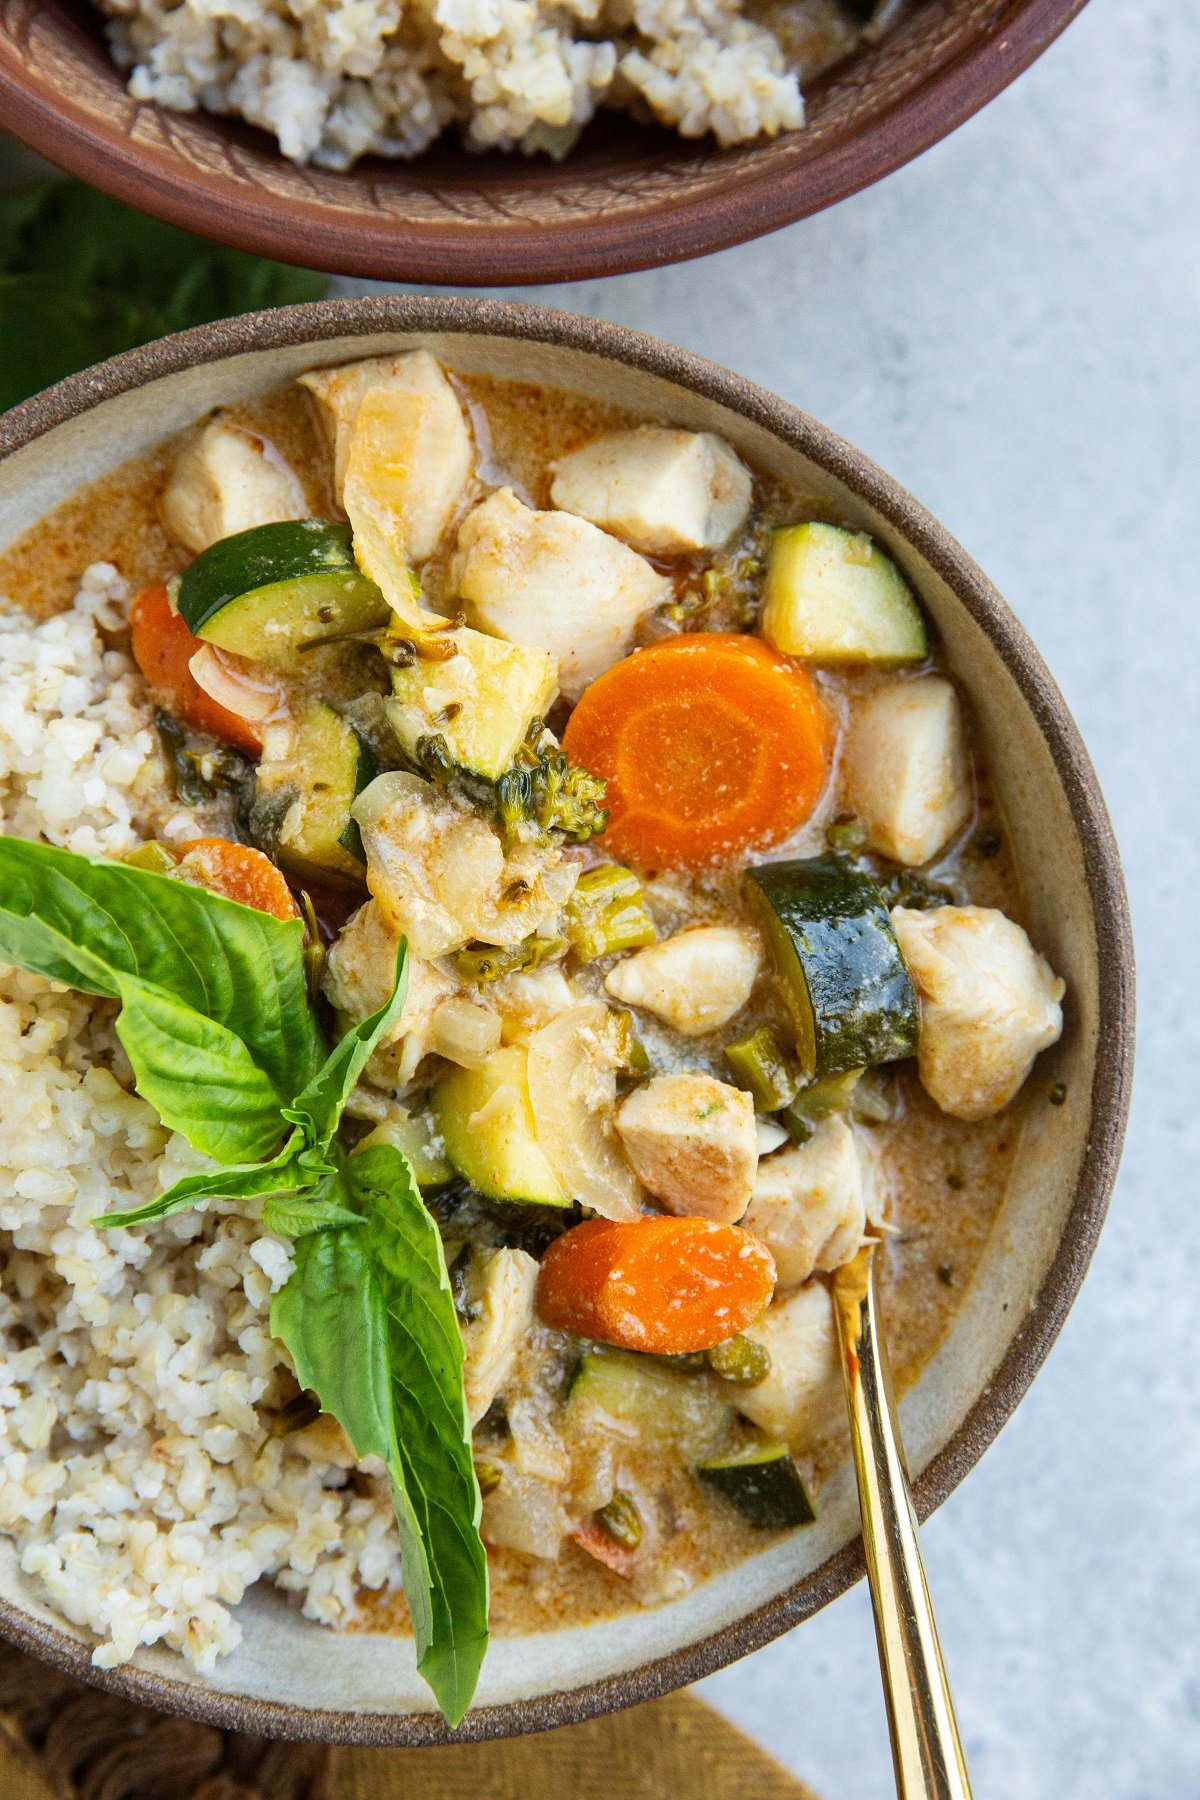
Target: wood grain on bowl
291,1679
627,197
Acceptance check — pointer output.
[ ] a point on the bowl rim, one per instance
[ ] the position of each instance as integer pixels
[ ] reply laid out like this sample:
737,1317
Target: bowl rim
368,242
1109,1100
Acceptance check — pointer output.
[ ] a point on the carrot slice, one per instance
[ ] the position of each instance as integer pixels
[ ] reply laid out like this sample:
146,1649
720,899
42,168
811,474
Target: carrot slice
603,1548
663,1285
712,745
163,647
239,873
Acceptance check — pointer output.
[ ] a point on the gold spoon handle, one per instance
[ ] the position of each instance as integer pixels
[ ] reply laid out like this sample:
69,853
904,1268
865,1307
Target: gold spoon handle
925,1742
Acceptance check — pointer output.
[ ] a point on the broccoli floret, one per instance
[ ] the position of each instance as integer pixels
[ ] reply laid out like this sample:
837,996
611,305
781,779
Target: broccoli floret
484,963
569,799
545,792
727,594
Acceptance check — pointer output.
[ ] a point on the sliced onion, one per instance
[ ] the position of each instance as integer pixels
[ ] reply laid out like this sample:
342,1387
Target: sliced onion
525,1514
238,692
573,1090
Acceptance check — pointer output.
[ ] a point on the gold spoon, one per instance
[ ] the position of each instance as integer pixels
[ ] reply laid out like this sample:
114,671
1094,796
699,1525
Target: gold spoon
926,1748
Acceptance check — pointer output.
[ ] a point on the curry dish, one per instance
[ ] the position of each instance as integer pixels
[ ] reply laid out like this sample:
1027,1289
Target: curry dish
502,900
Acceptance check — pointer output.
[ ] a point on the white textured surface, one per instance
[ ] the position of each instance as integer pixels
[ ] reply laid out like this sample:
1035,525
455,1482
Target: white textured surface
1011,327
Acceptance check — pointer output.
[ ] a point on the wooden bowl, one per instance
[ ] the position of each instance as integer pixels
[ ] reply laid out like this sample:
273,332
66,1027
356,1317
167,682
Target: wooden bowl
627,197
294,1679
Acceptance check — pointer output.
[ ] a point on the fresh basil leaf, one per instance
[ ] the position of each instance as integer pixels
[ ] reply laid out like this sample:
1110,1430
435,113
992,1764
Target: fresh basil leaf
331,1317
160,1042
318,1109
433,1429
296,1216
200,1077
369,1321
284,1175
110,929
298,1172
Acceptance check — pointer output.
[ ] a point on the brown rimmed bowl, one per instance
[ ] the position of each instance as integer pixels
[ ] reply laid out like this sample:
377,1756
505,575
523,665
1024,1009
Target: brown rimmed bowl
627,197
294,1679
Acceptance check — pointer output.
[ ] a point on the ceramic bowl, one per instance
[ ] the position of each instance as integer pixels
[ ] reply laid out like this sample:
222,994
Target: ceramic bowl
627,197
293,1678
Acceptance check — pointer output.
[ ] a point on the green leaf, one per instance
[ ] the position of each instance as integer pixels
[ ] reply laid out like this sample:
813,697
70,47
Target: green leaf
199,1076
299,1172
159,1036
284,1175
82,277
369,1321
297,1216
170,950
331,1317
318,1109
49,328
82,236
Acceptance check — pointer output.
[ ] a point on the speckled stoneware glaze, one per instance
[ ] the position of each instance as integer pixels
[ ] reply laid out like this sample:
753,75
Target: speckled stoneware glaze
627,197
295,1679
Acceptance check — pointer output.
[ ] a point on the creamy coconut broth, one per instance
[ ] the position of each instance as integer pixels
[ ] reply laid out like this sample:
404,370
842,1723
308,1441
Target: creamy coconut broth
570,1065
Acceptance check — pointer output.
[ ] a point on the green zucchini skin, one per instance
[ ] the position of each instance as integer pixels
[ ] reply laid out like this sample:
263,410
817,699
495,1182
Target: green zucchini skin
364,774
851,996
264,592
327,767
765,1486
835,596
501,1158
668,1410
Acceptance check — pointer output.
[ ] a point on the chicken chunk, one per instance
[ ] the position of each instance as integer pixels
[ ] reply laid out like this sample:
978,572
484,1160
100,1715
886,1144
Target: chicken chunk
663,491
809,1205
802,1395
338,394
697,980
228,480
401,444
359,971
989,1003
691,1142
503,1318
905,769
440,874
555,582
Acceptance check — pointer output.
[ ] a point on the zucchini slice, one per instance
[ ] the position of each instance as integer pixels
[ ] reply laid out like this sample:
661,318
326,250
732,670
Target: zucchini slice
481,700
763,1483
327,767
415,1135
669,1410
759,1065
267,592
851,997
833,595
487,1126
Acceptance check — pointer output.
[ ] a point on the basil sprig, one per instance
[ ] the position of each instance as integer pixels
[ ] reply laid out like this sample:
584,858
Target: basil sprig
217,1025
368,1318
308,1160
